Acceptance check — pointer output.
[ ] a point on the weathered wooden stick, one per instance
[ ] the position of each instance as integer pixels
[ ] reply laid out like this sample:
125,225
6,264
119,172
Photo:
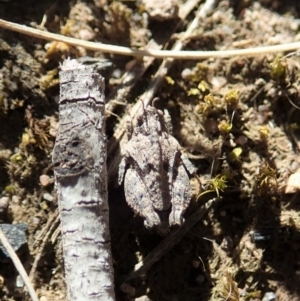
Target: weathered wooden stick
79,159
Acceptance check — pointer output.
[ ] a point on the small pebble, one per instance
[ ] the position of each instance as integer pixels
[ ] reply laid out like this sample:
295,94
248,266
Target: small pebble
294,166
294,25
223,213
218,82
4,203
186,73
117,73
85,34
128,289
241,140
15,199
264,108
171,104
293,183
48,197
16,235
200,279
45,180
36,221
196,263
269,296
19,281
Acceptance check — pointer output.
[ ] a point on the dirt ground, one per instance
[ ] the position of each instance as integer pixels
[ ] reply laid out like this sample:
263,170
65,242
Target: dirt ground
236,118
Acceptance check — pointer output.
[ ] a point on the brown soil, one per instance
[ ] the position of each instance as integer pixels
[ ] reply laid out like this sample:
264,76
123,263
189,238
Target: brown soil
247,246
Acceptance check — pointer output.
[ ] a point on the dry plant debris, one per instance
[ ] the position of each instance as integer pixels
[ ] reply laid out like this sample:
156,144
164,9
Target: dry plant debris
236,118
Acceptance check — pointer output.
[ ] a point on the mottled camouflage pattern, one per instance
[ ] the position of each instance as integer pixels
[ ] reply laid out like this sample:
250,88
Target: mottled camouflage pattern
156,181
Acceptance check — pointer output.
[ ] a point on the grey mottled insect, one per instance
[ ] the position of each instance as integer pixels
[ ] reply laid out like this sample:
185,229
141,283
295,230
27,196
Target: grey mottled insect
155,172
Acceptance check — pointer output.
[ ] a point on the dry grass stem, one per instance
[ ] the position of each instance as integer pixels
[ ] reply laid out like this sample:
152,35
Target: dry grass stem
175,54
19,266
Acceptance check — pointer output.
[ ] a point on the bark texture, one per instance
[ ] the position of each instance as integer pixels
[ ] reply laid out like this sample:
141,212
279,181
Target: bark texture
79,159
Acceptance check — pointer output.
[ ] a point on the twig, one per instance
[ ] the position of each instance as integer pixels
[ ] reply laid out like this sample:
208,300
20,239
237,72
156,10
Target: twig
183,55
50,226
290,101
170,241
146,97
18,266
79,158
132,76
167,63
46,228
